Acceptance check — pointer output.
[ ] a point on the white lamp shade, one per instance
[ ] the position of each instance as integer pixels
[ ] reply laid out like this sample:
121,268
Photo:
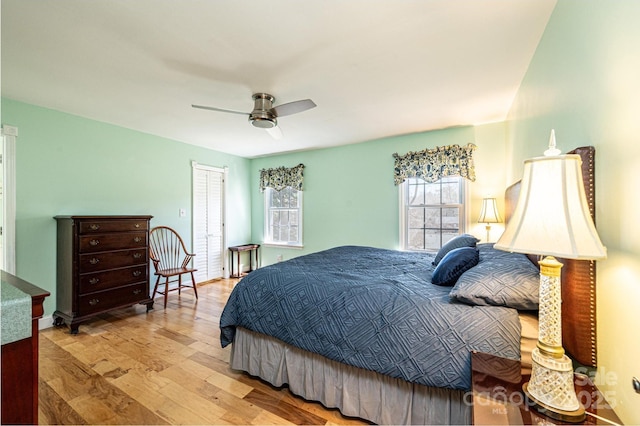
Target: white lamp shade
552,214
489,212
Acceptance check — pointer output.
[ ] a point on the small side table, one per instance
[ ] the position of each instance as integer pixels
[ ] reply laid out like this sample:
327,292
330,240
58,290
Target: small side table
498,398
239,249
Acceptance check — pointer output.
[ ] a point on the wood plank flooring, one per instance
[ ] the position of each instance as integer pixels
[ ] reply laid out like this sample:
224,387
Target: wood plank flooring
162,367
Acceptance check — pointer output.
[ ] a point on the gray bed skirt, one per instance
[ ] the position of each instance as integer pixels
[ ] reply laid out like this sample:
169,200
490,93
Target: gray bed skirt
354,391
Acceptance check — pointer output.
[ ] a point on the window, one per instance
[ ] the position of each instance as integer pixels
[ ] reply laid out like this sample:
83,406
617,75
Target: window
283,216
431,213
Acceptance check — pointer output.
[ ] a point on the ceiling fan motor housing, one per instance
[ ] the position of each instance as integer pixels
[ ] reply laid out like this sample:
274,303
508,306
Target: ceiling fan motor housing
261,116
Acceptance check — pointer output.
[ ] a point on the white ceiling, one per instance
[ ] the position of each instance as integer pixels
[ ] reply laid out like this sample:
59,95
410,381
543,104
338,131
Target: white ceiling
375,68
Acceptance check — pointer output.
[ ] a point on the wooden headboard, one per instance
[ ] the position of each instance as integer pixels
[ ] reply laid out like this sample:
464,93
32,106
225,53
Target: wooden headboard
578,276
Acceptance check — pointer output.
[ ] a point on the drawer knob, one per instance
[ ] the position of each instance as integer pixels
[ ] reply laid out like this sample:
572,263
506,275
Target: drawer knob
137,225
137,239
94,242
94,280
137,255
94,302
94,226
137,291
94,261
136,273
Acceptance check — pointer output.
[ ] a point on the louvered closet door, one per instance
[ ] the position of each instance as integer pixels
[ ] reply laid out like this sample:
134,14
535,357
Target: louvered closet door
208,222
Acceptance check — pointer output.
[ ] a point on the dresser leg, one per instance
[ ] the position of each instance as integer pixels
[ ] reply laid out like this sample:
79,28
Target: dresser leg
58,321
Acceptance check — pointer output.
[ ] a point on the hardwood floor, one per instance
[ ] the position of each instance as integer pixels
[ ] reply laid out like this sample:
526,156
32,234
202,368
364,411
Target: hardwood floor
161,367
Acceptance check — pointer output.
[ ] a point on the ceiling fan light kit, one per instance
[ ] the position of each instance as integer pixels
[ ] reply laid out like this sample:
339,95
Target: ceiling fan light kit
264,114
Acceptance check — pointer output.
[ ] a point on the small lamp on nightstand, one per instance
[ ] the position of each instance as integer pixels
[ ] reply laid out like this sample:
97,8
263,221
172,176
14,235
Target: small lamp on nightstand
552,218
489,214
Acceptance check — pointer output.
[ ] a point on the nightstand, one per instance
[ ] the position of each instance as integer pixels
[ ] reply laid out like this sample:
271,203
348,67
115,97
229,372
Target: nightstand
498,398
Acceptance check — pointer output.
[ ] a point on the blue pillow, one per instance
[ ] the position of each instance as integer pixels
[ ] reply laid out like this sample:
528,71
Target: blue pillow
500,279
454,264
463,240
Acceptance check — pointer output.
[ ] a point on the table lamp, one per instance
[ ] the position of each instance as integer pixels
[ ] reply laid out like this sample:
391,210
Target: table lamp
552,218
489,214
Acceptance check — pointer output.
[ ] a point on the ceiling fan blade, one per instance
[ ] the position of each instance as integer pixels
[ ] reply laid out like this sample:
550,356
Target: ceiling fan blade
219,109
275,132
292,107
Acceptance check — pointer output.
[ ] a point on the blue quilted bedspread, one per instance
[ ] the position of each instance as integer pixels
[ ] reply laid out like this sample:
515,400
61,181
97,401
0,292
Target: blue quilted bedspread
374,309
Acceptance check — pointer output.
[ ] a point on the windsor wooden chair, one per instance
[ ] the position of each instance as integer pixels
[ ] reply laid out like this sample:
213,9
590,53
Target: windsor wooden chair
170,260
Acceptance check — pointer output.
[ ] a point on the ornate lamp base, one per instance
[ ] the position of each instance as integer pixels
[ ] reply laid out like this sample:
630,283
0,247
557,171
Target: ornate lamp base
551,388
488,228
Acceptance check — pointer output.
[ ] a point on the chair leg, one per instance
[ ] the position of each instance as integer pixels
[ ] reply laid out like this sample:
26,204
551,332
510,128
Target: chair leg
155,288
166,291
193,281
179,284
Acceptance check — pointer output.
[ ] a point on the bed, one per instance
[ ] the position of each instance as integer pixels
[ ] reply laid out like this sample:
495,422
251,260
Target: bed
366,330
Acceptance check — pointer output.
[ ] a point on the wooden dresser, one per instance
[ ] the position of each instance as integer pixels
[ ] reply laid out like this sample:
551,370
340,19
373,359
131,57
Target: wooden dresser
103,264
20,362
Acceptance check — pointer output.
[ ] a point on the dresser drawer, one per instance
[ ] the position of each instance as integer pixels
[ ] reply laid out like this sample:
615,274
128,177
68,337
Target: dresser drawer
110,279
115,241
109,299
103,226
100,261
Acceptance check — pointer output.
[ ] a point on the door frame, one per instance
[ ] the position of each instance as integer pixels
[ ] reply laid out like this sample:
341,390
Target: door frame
9,136
225,172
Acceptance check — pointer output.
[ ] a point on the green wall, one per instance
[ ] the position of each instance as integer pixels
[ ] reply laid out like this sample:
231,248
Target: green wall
71,165
349,194
584,81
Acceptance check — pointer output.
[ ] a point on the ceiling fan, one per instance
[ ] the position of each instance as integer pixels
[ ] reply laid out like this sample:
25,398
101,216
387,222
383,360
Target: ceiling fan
264,114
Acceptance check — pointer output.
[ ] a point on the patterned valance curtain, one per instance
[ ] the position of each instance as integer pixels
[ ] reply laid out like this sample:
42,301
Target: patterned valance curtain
433,164
281,177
